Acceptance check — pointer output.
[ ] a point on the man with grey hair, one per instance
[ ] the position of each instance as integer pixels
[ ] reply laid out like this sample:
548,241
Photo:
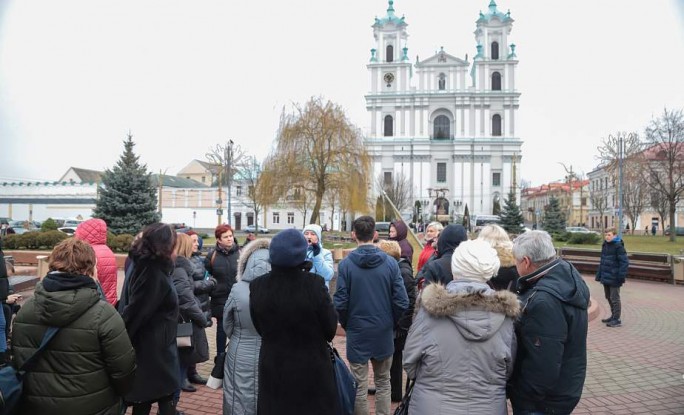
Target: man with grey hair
551,362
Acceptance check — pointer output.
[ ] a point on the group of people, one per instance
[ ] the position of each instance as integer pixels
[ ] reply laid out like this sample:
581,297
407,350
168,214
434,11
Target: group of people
481,321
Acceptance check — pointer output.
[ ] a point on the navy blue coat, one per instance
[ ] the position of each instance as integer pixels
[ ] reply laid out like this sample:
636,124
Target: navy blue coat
613,268
370,299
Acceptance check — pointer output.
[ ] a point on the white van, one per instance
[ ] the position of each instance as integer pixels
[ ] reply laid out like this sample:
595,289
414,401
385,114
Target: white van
484,220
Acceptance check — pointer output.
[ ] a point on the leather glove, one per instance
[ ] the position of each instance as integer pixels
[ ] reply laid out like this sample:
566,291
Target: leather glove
315,249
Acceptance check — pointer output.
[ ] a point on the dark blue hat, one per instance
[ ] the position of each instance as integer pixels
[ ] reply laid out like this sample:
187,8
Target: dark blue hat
288,249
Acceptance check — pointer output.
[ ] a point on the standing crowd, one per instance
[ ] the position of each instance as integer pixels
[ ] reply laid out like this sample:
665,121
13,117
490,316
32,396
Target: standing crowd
482,321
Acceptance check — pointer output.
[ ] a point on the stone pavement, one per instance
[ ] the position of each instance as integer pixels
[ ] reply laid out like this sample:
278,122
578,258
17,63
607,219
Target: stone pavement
634,369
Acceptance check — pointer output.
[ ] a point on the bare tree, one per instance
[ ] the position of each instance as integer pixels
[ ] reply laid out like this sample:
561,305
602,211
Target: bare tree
663,161
228,159
599,201
397,189
317,146
258,191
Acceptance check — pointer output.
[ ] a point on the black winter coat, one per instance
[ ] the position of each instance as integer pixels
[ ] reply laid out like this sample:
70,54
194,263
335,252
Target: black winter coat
151,317
224,270
614,263
292,311
190,311
438,269
410,284
551,361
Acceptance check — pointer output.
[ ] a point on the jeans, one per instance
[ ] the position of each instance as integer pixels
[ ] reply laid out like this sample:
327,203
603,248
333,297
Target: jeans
613,297
381,371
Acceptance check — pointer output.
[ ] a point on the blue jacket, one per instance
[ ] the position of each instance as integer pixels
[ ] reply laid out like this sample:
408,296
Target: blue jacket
613,267
323,264
551,361
370,299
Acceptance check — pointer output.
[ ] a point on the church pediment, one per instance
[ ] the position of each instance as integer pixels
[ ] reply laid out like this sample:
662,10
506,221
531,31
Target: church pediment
442,58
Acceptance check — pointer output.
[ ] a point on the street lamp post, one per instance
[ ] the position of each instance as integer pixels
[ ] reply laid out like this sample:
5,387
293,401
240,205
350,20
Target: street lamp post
621,155
229,177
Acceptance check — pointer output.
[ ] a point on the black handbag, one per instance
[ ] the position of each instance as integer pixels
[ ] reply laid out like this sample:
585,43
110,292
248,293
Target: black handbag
345,382
403,408
184,335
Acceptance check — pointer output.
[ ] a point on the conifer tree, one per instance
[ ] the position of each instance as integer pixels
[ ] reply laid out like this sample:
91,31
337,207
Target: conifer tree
127,199
554,219
511,217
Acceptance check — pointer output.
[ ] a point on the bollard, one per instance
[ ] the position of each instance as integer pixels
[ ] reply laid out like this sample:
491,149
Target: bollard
42,266
337,253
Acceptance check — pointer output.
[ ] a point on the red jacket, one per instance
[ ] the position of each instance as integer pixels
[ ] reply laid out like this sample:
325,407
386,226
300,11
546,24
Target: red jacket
94,231
427,253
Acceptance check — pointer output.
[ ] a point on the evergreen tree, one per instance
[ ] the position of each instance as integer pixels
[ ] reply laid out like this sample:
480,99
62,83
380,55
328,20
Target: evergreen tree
554,219
511,217
127,199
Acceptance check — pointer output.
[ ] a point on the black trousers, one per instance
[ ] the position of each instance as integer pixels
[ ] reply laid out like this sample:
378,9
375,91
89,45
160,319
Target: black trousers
613,297
397,371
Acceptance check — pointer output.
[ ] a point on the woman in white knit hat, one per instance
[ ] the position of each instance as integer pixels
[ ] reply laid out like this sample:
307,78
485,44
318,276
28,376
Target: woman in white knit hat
461,345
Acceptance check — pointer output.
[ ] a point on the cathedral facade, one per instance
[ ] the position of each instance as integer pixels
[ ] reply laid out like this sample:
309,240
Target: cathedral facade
444,124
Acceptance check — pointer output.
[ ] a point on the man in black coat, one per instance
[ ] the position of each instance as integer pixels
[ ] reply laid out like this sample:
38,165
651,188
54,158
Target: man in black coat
611,273
551,361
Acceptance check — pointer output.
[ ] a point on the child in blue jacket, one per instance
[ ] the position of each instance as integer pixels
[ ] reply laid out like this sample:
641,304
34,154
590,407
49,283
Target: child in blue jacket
611,273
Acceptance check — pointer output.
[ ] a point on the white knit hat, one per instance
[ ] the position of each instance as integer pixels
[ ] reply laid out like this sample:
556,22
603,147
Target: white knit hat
475,260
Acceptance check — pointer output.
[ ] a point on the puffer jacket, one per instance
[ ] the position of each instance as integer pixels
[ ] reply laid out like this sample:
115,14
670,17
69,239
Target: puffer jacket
241,370
507,277
91,350
614,263
465,328
202,283
94,231
190,311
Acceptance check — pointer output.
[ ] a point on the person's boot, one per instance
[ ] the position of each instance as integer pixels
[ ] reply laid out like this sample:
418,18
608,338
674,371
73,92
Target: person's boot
197,379
606,320
187,386
614,323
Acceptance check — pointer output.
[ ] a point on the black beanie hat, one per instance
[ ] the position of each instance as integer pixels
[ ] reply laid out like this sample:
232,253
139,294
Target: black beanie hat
288,249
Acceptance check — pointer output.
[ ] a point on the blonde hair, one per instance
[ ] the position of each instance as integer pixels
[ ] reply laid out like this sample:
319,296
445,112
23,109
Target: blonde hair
438,226
391,248
183,246
494,234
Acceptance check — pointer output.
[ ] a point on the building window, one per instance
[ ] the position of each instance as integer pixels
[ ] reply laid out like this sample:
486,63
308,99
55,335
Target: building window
496,125
387,178
204,179
495,50
496,81
290,217
442,82
441,172
441,127
238,190
496,179
276,217
389,126
389,51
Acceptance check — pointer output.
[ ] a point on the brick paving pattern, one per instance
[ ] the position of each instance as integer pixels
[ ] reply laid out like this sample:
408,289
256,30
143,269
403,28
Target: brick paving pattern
634,369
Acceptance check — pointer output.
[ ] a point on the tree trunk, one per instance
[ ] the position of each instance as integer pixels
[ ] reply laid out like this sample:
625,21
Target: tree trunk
673,234
317,206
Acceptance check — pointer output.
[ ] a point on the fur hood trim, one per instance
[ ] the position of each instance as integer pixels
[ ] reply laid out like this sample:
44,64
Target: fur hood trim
505,253
439,302
247,251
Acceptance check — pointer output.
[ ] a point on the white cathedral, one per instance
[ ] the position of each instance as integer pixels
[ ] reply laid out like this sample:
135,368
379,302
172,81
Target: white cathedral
448,125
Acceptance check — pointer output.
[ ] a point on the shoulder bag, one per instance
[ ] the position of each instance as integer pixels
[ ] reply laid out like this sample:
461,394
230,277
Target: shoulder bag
403,408
345,382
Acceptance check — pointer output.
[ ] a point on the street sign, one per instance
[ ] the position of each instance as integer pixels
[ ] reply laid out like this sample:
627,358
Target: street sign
219,212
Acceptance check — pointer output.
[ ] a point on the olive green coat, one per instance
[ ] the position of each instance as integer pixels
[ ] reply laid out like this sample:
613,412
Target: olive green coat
88,365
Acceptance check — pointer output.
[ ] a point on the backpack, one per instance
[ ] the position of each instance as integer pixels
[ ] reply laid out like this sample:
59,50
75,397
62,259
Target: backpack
11,380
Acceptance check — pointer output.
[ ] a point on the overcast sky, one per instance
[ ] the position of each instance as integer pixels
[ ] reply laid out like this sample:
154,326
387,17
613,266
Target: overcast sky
77,75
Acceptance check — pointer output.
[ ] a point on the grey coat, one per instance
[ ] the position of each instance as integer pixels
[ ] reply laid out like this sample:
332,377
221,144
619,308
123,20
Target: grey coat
240,379
460,349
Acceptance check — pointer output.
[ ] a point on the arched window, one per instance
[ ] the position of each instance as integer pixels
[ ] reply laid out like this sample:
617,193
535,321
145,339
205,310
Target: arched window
495,50
442,82
389,53
496,81
496,125
441,127
389,126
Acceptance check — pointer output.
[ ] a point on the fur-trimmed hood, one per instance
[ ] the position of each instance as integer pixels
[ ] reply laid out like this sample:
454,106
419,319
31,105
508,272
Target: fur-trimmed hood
477,311
253,260
505,252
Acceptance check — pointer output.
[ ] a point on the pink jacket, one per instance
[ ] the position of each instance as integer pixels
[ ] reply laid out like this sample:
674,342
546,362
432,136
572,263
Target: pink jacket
94,231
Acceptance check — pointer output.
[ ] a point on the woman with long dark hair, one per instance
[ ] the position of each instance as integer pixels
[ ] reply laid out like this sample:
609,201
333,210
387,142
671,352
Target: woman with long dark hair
151,317
221,263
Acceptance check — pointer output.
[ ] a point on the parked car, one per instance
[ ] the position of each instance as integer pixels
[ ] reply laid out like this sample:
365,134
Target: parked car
30,225
69,230
252,229
383,229
679,231
18,230
579,229
480,221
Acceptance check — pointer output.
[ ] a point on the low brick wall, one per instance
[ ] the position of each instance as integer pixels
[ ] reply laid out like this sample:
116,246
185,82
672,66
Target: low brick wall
23,257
